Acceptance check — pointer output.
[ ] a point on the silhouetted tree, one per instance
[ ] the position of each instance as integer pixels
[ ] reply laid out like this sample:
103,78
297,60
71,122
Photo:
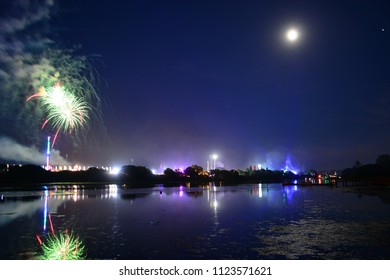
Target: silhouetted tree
190,171
383,160
313,173
136,173
170,173
289,175
3,167
198,169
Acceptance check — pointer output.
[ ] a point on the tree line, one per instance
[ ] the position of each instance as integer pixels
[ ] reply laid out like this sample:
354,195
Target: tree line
32,174
378,172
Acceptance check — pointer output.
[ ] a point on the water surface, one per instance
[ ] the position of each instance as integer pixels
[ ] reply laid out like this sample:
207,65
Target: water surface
261,221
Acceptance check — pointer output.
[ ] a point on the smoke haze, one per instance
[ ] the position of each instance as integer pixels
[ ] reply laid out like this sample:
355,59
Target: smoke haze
12,151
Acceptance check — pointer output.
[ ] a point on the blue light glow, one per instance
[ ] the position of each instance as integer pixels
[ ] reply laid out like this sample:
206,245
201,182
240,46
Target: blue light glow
46,192
48,153
115,170
289,166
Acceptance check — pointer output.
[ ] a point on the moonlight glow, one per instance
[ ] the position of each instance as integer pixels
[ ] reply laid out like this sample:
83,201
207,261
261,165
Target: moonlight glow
292,35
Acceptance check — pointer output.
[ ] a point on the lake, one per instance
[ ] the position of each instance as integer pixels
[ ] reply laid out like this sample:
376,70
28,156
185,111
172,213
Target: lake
258,221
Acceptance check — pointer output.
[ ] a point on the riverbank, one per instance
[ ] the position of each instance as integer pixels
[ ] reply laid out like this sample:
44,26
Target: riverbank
133,175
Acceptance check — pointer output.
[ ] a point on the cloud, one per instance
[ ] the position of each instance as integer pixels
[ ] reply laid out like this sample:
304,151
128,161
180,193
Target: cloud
22,43
12,151
32,12
30,60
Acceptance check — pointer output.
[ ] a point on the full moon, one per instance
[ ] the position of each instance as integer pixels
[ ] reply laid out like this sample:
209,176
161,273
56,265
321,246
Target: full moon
292,35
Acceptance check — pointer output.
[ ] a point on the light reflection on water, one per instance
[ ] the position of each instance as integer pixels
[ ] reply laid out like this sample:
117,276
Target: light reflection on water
260,221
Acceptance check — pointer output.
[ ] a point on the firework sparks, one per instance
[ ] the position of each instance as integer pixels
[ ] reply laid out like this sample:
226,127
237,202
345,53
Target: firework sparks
64,111
64,246
39,239
32,65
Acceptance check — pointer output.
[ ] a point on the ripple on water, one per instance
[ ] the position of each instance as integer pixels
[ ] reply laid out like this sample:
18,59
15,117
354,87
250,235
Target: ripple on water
321,239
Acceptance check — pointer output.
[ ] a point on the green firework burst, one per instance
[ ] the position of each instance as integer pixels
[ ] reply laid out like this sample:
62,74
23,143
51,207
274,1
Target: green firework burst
64,110
64,246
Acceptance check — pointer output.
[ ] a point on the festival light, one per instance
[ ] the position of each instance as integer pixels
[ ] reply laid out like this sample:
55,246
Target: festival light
213,161
48,154
115,170
45,210
260,190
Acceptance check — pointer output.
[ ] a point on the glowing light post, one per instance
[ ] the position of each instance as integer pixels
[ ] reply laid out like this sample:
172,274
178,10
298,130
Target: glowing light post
45,211
48,154
214,156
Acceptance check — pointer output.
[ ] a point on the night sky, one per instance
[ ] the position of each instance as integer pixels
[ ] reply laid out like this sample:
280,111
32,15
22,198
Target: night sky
181,80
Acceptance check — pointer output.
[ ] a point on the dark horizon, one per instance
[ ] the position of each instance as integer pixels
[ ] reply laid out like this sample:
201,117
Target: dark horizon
183,80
